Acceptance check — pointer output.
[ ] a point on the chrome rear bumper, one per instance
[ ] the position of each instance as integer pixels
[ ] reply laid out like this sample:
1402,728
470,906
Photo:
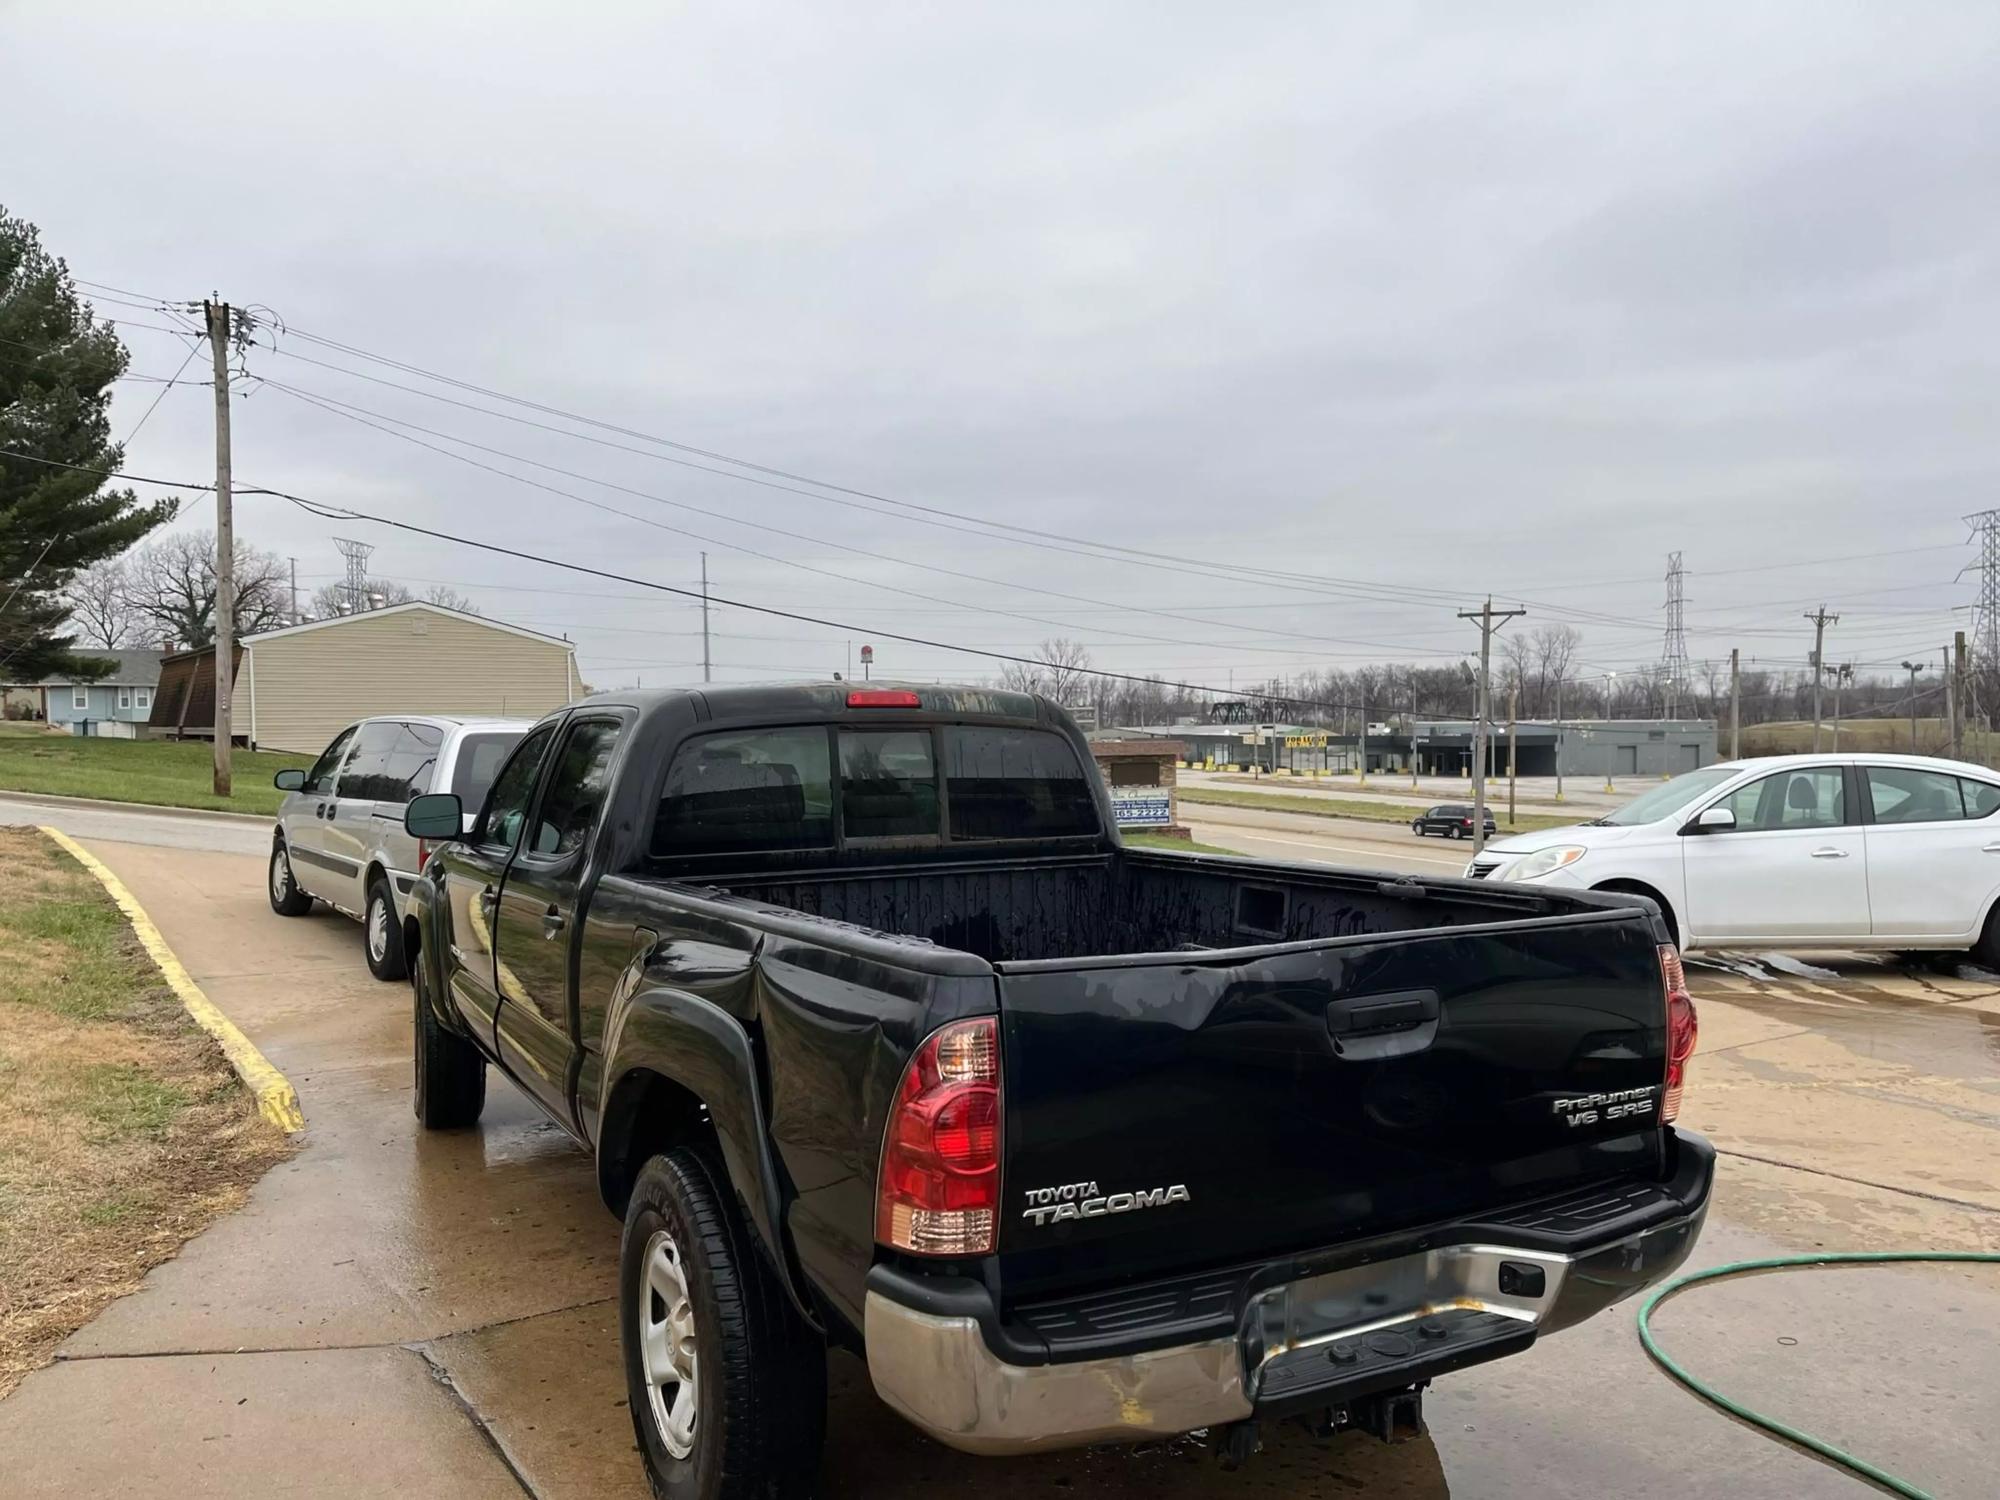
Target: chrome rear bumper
1318,1341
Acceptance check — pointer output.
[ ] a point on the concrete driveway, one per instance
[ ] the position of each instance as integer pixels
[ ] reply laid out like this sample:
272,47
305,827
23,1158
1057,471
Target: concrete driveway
402,1314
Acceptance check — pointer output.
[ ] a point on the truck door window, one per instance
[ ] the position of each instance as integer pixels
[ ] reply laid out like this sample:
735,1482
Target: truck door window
888,784
1016,784
760,789
576,788
513,789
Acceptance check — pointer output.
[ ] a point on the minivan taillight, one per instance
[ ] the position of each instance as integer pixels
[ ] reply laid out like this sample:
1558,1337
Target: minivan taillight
1682,1030
423,853
939,1188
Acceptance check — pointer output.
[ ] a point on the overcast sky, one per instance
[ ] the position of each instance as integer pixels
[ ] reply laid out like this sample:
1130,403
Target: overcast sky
1411,301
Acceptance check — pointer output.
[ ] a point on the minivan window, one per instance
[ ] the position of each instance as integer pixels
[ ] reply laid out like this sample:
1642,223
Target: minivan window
758,789
319,780
479,757
1669,796
366,776
411,763
1015,784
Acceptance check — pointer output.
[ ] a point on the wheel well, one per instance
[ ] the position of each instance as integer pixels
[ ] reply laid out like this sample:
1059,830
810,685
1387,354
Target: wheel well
373,873
1640,888
647,1114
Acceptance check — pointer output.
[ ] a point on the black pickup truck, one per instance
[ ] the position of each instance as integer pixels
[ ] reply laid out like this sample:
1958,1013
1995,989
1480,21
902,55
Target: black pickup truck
881,1038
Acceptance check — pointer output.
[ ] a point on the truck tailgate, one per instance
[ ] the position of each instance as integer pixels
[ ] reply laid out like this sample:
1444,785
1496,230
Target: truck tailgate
1198,1108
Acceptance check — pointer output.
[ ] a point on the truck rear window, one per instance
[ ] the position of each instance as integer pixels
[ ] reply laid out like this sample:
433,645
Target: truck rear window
1015,784
772,789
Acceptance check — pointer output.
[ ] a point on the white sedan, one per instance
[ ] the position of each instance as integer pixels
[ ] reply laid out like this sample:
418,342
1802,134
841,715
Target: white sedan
1799,851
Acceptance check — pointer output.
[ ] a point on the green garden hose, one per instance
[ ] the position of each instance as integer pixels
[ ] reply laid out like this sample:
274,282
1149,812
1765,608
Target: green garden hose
1833,1455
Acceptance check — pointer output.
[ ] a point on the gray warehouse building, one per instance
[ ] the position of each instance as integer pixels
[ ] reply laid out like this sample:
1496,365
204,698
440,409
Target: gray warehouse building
1580,747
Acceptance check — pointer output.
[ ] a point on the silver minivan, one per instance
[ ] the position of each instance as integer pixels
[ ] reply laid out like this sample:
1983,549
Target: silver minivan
340,835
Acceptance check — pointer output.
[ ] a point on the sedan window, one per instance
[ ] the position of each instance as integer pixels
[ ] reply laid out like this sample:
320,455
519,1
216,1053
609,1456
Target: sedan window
1982,798
1905,794
1812,798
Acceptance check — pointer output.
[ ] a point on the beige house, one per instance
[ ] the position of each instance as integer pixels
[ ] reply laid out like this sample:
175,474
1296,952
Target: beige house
297,688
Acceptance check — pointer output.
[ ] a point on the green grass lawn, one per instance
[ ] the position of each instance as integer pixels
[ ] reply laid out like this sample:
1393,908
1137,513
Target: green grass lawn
164,773
1169,845
1349,807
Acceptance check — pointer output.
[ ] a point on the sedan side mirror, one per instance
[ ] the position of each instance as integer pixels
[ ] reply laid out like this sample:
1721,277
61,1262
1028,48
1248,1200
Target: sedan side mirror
1713,820
290,780
435,815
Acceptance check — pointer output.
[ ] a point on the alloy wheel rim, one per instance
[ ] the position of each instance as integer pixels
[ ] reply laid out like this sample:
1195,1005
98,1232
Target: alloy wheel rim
667,1344
281,875
378,929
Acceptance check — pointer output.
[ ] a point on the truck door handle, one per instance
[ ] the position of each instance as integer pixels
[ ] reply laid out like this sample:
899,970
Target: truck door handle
1829,854
553,922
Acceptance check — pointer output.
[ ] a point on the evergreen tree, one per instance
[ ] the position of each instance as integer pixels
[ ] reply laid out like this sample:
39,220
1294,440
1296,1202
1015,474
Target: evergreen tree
57,365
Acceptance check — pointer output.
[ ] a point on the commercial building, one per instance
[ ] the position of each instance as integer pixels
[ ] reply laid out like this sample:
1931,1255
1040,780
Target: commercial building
1576,747
295,688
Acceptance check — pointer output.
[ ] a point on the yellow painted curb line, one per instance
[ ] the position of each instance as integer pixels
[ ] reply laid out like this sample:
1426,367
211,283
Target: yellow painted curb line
277,1101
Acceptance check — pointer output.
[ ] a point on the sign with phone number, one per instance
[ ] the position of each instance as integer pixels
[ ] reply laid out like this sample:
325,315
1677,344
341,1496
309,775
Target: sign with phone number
1142,806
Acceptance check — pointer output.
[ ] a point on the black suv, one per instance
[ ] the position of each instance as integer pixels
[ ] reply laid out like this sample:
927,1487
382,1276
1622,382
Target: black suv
1452,819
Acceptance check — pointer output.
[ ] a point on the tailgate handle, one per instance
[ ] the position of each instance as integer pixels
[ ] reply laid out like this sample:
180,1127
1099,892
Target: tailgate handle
1378,1026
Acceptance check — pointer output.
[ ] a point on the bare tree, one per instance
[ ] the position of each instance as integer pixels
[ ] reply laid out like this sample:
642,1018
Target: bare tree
446,597
171,588
1059,672
332,600
98,606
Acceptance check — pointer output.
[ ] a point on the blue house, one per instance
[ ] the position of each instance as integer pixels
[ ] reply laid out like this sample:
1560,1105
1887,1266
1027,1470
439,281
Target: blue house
114,705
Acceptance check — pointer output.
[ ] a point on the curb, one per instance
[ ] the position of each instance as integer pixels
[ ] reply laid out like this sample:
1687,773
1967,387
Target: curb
106,804
277,1100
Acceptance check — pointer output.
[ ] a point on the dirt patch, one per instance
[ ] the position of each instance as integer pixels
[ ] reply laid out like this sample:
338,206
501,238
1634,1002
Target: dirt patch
123,1131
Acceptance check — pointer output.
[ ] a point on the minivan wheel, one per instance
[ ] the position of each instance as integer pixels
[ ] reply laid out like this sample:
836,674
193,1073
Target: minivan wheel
382,934
450,1073
287,900
727,1384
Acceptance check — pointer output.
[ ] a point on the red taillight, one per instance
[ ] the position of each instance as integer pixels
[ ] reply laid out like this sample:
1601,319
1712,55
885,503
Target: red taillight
423,854
939,1191
1682,1030
883,698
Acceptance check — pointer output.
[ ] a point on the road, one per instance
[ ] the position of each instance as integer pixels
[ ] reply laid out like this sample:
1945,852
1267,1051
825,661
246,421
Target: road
1340,841
395,1313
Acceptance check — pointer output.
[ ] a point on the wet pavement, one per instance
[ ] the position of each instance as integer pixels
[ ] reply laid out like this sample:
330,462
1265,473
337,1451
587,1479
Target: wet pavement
402,1314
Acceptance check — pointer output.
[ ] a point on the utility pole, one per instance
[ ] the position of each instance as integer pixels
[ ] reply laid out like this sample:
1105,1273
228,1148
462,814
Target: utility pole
295,591
1513,743
1959,705
1950,707
1410,731
704,617
1820,620
1559,739
1362,779
1735,703
217,315
1913,667
1489,620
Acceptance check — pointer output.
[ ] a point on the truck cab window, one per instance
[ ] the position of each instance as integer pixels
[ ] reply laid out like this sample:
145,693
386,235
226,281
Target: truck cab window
760,789
513,789
1016,784
576,788
888,784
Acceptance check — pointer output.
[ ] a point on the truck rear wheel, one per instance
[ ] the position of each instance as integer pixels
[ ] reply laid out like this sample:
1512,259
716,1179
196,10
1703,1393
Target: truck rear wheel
450,1073
727,1383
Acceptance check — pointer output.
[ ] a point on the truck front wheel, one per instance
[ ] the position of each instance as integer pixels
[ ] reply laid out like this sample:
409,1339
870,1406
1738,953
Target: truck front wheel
727,1383
450,1073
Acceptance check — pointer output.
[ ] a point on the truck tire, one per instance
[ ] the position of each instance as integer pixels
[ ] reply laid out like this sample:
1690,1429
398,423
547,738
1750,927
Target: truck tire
727,1384
287,900
382,933
450,1073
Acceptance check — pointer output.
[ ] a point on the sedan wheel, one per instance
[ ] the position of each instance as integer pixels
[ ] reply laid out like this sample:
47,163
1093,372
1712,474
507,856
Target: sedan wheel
667,1345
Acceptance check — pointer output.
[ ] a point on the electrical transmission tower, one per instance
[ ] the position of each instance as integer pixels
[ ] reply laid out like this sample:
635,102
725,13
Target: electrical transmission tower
1986,617
1674,652
357,555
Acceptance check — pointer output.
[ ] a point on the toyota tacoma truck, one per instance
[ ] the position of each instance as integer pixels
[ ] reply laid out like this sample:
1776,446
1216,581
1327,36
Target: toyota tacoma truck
881,1038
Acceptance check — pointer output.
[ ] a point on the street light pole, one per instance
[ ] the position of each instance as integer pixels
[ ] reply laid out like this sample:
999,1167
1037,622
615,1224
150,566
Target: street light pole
1609,678
1913,668
1559,739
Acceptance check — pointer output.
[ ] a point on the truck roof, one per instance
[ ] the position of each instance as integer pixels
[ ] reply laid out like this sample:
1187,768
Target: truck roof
828,700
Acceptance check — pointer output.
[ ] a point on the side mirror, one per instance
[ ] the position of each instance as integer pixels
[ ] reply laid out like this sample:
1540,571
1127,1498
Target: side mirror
291,780
1714,820
435,815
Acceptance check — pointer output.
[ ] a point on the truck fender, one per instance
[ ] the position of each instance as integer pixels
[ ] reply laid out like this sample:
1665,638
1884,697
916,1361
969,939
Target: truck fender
425,946
703,1052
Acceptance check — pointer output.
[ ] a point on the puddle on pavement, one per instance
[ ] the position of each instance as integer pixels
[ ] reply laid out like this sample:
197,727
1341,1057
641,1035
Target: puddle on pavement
1875,1006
